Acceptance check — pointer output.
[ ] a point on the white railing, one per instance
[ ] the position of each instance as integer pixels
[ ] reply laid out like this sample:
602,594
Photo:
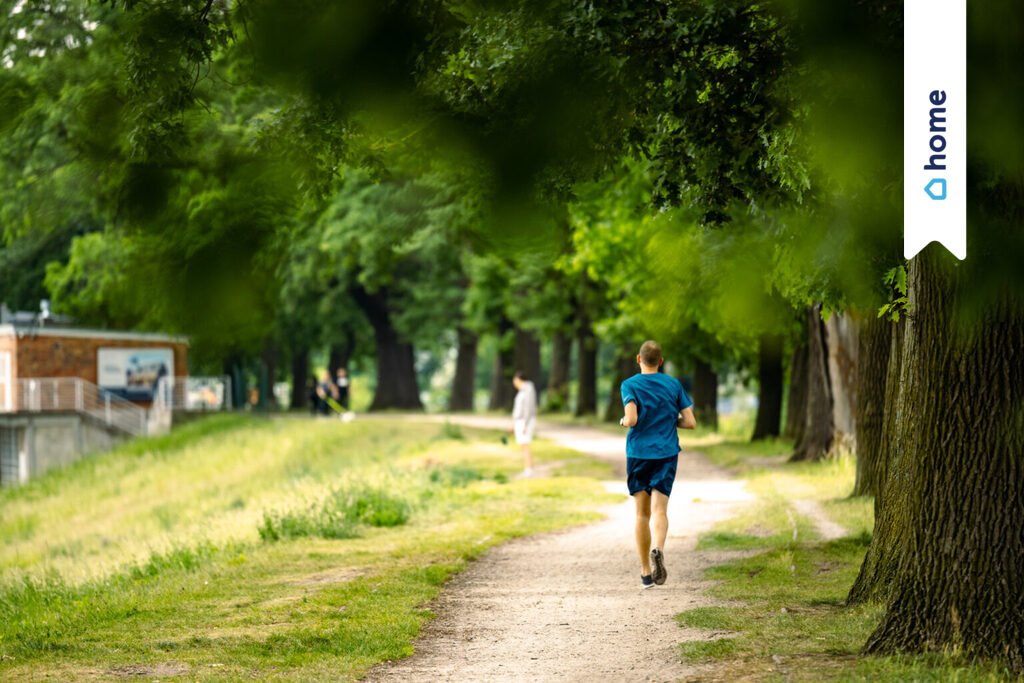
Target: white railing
194,394
71,394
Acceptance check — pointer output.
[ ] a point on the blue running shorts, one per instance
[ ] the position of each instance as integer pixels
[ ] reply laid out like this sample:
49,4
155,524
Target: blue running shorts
647,475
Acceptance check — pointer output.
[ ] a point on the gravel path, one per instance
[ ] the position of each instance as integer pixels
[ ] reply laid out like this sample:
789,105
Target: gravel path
567,606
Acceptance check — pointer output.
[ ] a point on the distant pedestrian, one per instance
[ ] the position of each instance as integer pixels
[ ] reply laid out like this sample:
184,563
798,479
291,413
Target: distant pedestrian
524,418
342,382
325,391
655,406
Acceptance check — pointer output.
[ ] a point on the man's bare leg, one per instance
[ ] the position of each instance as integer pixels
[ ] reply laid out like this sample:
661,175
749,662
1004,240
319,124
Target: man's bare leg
527,458
643,531
659,508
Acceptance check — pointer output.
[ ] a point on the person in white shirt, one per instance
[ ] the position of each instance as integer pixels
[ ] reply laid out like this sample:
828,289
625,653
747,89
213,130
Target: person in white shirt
524,417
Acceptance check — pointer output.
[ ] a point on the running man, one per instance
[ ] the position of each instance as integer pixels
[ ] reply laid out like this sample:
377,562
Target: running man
655,405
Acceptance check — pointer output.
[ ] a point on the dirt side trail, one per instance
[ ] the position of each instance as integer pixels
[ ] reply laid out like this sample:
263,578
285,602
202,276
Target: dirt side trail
568,606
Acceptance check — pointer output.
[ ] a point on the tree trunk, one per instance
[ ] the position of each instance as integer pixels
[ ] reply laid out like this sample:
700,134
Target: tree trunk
527,357
502,391
818,429
796,404
397,387
300,378
341,353
625,367
875,341
234,369
879,567
557,395
464,382
268,376
958,581
770,381
841,342
705,395
586,374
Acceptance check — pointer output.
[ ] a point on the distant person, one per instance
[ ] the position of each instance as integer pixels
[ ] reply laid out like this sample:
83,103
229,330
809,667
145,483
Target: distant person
342,382
524,418
325,391
655,406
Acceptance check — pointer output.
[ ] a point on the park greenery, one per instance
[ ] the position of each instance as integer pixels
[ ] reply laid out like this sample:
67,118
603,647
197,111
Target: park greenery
413,188
238,545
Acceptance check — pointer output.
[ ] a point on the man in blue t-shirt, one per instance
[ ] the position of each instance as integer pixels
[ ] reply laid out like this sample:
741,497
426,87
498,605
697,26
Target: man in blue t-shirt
655,405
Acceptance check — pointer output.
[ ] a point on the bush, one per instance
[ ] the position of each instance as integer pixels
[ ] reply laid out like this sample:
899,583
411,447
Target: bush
455,476
188,559
375,507
321,522
338,516
451,431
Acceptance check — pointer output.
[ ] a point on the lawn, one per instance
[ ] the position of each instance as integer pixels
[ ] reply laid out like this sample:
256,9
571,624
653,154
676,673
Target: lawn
782,615
291,549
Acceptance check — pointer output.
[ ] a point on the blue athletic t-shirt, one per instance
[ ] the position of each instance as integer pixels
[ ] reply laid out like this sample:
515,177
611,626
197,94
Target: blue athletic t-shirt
658,399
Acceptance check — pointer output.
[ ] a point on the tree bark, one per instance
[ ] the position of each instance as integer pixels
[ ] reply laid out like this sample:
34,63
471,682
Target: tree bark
841,342
235,370
796,404
586,373
464,382
300,377
818,429
557,395
397,387
705,394
502,391
341,353
625,367
958,579
527,357
878,569
268,376
770,381
875,342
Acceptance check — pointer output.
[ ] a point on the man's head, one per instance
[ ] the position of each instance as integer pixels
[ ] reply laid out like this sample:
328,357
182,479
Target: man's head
518,379
342,372
650,355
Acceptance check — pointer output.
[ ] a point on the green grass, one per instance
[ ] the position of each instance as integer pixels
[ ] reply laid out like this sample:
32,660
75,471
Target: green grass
149,560
782,615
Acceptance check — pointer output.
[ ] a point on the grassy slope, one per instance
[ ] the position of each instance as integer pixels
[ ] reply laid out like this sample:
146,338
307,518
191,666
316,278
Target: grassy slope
786,619
147,560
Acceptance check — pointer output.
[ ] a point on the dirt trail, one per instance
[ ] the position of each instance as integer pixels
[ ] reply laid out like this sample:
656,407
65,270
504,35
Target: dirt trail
568,606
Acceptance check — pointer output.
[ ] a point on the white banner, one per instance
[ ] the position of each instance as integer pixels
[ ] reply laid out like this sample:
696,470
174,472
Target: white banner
935,125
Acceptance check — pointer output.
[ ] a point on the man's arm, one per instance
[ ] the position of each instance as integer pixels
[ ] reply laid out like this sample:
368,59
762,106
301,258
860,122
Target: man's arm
686,419
630,419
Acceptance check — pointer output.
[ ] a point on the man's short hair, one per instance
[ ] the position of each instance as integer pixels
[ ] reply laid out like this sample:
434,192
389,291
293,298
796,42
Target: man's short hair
520,375
650,354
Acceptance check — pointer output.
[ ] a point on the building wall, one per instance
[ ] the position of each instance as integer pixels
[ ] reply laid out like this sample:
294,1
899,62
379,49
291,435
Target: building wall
31,444
53,356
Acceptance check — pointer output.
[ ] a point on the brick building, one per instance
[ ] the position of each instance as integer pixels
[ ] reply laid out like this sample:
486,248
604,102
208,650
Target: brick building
127,364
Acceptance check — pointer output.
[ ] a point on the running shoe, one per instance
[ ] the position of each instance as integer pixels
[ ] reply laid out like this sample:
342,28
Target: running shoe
646,581
658,566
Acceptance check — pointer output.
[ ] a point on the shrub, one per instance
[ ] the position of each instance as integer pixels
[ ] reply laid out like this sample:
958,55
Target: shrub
455,476
338,516
451,431
372,506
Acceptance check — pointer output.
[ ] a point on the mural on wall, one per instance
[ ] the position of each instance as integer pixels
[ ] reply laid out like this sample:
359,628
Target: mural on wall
134,373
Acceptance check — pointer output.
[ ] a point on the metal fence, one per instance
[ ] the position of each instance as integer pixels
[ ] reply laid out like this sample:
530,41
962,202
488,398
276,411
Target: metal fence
71,394
195,394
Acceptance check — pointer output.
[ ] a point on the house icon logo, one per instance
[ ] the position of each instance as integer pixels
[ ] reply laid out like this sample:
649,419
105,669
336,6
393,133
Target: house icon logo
936,188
